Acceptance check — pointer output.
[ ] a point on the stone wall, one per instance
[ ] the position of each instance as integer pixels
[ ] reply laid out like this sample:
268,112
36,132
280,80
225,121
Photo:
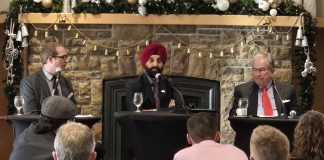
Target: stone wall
88,67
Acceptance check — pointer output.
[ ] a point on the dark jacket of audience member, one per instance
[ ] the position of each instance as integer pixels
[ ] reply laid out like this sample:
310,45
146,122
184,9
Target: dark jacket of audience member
37,141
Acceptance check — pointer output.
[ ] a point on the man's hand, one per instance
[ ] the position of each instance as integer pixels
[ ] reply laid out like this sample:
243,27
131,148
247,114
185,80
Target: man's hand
172,103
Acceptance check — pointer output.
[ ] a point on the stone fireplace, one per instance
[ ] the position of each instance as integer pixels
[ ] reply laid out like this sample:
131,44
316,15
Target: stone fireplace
89,68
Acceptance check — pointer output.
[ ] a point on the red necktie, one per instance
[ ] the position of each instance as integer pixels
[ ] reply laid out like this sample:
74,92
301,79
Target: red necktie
266,102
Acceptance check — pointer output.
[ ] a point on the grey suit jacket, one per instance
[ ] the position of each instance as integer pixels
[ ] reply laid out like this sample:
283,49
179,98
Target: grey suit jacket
35,90
250,90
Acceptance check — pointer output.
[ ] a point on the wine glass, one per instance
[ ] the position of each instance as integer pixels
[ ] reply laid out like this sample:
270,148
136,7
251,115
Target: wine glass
138,100
19,103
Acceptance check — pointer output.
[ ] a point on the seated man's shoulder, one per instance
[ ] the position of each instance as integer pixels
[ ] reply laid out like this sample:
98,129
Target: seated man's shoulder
245,85
134,83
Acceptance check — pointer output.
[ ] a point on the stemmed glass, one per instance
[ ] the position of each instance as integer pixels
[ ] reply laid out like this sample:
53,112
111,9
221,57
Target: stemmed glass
138,100
19,103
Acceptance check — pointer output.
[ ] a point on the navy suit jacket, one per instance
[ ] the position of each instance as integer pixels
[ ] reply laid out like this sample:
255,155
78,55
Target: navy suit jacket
250,90
142,84
35,90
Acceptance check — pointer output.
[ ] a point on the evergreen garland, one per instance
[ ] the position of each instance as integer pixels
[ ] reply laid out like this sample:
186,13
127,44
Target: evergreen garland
159,7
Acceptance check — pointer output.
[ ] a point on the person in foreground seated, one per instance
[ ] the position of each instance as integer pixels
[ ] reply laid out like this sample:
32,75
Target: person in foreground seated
38,86
37,141
204,137
157,93
266,97
309,136
74,141
268,143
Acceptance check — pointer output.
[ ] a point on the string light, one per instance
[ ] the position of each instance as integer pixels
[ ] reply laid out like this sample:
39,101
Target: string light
211,55
242,43
147,42
188,50
179,45
270,29
127,52
232,50
137,48
95,48
55,27
84,42
221,53
76,35
258,29
69,28
106,52
199,55
288,37
117,53
35,33
46,34
277,37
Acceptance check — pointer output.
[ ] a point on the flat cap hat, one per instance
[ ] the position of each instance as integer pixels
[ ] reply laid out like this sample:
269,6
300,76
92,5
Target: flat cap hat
58,107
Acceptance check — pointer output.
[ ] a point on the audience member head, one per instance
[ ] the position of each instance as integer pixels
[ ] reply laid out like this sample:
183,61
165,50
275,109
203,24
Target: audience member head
202,126
262,68
96,129
309,136
153,58
74,141
268,143
55,111
54,55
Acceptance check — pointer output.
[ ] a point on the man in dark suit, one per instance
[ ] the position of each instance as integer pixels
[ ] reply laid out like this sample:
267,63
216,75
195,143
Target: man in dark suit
266,97
42,84
157,93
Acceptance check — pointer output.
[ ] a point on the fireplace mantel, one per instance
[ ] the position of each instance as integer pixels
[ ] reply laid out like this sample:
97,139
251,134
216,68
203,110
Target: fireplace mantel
171,19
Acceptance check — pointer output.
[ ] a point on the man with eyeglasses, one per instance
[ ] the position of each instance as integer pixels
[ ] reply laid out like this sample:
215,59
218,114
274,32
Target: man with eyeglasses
266,97
44,83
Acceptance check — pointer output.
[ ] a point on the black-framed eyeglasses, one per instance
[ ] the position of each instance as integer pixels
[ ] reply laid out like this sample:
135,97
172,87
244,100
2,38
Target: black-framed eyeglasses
64,57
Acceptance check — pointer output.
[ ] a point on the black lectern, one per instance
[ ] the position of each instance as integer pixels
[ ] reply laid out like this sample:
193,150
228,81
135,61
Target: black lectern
154,135
243,126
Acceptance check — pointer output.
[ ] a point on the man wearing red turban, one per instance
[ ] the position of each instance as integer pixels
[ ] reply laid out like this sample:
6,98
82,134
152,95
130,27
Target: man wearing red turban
157,93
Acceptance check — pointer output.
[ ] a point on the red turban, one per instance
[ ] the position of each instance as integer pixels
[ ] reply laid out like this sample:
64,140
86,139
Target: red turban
153,49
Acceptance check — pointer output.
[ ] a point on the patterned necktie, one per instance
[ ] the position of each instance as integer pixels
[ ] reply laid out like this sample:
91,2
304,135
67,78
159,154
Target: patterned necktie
266,102
55,86
156,93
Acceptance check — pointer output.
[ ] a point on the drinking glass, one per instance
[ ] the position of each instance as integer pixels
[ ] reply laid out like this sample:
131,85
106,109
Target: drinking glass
19,103
138,100
242,107
243,103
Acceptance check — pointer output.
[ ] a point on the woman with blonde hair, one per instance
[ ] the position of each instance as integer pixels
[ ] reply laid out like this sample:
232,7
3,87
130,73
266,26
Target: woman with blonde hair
309,136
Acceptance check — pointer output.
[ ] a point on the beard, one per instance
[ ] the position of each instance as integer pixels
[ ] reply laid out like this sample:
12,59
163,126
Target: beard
153,71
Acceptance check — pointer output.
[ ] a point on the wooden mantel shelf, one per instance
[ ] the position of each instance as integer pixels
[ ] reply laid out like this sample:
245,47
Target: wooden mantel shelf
226,20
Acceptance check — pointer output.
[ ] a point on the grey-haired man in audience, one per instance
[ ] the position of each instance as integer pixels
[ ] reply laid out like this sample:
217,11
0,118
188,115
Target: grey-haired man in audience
74,141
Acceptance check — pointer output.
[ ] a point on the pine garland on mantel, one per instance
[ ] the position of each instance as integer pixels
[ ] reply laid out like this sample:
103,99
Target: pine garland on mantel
159,7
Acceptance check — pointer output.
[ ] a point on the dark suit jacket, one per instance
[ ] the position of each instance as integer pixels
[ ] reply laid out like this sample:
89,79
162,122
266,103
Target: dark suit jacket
35,90
142,84
250,90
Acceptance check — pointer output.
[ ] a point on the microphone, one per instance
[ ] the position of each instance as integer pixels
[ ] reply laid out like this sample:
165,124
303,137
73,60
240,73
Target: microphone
58,73
282,104
292,114
159,76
